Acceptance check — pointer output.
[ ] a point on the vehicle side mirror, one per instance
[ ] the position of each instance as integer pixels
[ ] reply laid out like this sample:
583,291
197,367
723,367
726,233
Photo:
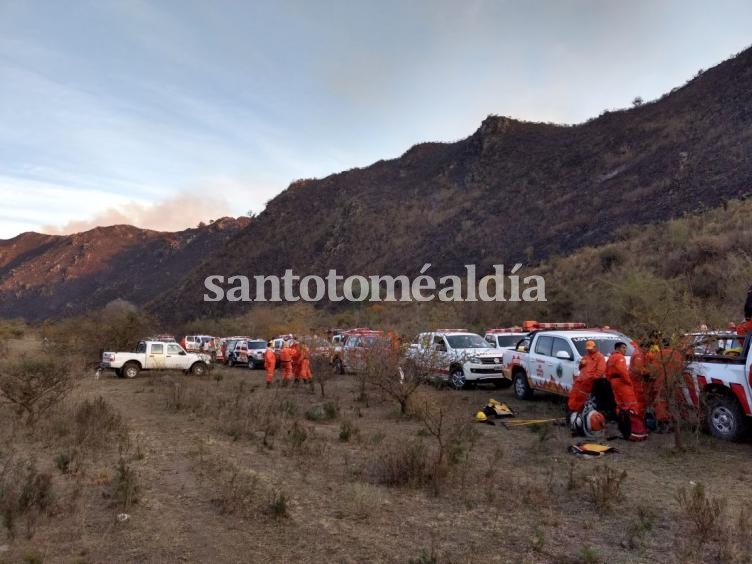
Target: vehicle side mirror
564,355
441,348
182,353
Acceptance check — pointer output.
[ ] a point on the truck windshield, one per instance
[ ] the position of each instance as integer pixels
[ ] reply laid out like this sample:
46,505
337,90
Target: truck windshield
467,341
507,340
604,343
256,345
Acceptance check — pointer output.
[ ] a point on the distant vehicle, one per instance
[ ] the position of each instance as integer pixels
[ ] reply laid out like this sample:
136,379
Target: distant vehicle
249,352
155,355
504,338
350,352
548,359
457,356
230,351
279,341
196,343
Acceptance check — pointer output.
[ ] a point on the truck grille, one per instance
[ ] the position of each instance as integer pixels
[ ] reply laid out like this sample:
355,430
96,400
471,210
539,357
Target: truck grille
486,370
493,360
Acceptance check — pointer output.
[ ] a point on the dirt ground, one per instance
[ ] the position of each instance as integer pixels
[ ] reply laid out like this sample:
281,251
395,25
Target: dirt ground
228,471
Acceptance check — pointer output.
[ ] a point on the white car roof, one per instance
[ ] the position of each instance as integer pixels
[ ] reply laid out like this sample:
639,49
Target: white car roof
584,333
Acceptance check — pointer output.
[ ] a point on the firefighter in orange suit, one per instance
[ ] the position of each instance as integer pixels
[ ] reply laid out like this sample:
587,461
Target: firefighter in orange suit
295,357
270,362
285,360
592,367
305,364
621,383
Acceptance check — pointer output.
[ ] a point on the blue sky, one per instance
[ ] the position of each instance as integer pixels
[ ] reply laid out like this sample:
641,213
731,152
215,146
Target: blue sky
165,113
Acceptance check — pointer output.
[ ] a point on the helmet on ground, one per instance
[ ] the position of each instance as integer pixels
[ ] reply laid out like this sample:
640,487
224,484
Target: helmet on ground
595,421
480,416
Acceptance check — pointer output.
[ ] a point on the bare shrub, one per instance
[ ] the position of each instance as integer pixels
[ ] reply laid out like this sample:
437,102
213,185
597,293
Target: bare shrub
403,464
705,515
347,430
361,500
605,487
125,485
34,385
95,423
24,492
322,371
241,493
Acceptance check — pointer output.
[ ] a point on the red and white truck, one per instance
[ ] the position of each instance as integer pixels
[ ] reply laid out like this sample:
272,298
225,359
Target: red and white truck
548,359
718,374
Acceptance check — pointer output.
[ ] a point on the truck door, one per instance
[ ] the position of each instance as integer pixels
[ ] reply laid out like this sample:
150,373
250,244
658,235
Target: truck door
563,369
541,362
441,355
155,356
176,358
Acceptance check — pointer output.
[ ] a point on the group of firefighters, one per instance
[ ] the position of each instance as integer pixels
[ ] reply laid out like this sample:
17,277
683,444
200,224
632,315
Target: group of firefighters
630,394
636,395
294,363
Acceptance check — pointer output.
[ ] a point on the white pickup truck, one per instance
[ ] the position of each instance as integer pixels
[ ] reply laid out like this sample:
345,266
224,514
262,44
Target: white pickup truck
155,355
549,359
459,357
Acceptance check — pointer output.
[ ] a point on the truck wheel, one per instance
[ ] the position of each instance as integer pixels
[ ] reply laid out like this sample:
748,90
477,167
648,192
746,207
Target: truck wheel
522,389
725,418
457,378
339,367
198,369
131,370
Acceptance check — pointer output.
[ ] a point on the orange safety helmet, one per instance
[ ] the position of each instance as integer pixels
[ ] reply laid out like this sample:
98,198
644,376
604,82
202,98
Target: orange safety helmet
591,346
596,421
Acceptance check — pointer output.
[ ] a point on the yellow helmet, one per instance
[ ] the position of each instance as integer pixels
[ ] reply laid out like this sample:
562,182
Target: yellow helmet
480,416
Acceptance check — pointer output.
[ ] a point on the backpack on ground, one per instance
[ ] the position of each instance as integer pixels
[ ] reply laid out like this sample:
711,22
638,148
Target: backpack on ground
632,426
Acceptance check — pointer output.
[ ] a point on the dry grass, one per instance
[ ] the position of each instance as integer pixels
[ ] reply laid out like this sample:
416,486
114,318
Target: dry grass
232,464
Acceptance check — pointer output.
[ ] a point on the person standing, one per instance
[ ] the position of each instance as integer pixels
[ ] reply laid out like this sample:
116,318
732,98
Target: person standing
270,363
621,383
592,367
285,360
295,358
305,365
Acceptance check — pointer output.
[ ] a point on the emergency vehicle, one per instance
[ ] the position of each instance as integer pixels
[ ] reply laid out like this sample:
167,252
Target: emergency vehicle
718,377
505,337
350,348
548,359
458,357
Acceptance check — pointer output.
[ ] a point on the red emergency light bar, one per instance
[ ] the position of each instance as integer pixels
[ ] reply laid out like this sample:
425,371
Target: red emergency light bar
450,330
534,325
516,329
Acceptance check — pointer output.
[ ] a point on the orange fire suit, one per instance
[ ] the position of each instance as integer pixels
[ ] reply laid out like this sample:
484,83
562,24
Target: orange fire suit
305,364
285,359
592,367
638,374
295,357
666,366
744,327
621,383
270,362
